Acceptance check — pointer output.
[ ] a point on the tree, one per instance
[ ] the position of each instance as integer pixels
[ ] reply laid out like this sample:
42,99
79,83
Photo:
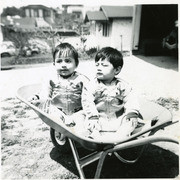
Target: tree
12,11
22,37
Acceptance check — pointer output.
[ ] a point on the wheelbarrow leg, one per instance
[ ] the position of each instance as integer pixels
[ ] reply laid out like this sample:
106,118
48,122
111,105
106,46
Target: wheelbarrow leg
77,159
100,165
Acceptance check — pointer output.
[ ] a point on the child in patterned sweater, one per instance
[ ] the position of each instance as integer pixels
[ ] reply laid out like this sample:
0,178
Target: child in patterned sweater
61,93
110,104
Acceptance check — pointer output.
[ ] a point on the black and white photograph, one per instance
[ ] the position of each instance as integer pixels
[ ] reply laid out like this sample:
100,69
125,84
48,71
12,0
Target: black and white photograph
89,89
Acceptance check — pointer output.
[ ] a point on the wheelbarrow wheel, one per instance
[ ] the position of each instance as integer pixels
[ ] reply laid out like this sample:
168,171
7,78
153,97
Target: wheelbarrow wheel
59,141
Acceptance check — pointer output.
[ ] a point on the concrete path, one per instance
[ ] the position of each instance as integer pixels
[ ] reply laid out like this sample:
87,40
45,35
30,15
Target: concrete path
151,77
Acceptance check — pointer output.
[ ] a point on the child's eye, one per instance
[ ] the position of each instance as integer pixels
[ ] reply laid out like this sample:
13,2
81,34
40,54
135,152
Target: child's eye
67,60
105,65
97,64
58,60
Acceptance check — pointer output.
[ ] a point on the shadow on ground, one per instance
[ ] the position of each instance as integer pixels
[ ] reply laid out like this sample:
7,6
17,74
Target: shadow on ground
155,162
166,62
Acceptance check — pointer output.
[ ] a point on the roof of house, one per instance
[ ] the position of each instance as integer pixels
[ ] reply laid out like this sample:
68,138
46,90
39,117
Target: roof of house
117,11
35,7
95,16
107,12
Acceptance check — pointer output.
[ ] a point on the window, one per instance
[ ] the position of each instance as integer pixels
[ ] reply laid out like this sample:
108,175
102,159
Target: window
105,29
32,13
35,12
47,13
27,12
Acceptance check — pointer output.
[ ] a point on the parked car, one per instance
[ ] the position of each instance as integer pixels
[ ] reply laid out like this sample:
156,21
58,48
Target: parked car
8,49
31,50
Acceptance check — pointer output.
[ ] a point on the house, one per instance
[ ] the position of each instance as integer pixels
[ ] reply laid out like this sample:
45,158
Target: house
77,10
35,16
112,26
45,16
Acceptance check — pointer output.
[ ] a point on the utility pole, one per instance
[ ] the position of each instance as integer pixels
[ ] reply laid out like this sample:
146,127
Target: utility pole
121,36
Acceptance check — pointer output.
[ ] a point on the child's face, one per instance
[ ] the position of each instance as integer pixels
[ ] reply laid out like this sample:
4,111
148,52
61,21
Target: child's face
105,70
65,65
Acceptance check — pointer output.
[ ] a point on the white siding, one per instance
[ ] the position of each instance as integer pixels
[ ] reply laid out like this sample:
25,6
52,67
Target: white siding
121,27
136,27
120,34
1,34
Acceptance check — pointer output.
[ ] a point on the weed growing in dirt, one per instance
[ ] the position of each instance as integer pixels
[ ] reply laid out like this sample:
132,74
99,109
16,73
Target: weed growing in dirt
6,108
10,141
169,103
4,124
44,128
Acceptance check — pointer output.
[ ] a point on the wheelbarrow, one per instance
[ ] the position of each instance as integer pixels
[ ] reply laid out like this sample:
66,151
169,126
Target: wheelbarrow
153,114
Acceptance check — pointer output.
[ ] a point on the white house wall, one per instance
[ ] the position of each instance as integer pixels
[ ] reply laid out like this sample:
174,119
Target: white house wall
1,34
27,13
40,12
71,9
136,27
117,28
121,27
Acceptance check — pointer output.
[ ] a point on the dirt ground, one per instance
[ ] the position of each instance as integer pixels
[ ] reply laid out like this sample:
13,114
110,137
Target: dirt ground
28,153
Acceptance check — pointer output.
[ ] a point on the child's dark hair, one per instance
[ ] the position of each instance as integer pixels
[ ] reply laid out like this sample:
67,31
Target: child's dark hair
66,46
113,55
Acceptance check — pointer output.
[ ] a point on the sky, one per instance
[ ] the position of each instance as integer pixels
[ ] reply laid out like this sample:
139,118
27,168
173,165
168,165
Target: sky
58,3
55,3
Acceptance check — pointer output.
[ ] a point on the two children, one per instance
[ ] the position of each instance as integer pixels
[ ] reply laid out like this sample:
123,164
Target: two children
109,103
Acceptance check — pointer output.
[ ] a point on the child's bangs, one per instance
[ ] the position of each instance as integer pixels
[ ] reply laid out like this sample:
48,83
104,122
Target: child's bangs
101,56
66,52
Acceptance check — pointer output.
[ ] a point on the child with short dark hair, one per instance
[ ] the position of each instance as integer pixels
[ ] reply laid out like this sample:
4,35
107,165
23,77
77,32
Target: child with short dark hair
110,103
62,91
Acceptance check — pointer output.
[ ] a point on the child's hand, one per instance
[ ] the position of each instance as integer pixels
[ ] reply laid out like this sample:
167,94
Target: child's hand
130,124
69,122
93,124
93,127
34,100
134,122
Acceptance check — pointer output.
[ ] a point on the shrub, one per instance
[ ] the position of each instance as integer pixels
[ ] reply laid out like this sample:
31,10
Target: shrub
91,52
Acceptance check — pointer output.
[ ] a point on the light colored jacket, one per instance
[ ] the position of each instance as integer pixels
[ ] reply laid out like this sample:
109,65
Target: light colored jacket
65,94
112,100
